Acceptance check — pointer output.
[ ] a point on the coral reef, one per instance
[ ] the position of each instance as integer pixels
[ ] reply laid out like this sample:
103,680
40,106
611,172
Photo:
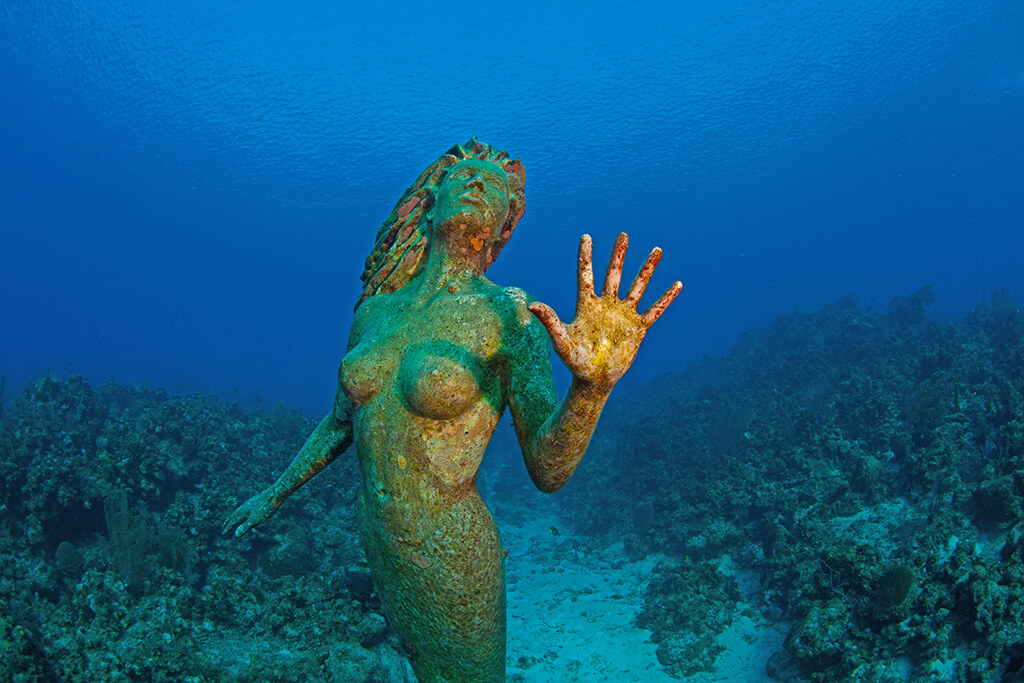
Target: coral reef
687,606
115,566
851,478
867,468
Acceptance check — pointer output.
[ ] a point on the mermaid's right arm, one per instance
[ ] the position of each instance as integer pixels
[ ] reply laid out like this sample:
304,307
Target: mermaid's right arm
329,440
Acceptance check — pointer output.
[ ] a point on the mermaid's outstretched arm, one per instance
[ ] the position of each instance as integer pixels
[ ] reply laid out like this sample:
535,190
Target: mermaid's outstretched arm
329,440
598,346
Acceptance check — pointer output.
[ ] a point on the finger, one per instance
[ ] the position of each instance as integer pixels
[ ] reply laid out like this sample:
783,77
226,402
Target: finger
556,328
230,524
643,278
584,272
659,306
614,273
231,527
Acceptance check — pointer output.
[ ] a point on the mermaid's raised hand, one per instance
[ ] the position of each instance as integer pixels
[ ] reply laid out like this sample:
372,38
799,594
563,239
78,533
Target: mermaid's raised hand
600,343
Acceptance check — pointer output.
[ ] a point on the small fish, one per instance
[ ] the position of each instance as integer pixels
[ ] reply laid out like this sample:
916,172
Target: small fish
420,560
554,531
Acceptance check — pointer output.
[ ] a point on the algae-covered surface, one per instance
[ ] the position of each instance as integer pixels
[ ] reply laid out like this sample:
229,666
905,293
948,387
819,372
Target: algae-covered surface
839,497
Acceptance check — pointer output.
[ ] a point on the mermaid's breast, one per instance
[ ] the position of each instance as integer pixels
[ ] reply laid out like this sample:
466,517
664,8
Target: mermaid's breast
363,372
439,380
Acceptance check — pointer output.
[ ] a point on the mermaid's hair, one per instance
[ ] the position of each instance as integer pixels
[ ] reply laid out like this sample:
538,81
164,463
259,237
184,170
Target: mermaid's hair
403,240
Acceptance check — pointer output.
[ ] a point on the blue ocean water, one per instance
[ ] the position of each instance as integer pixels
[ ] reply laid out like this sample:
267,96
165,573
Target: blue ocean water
812,472
189,191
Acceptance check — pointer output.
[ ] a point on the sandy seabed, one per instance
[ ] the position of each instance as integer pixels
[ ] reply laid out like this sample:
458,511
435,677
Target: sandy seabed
572,616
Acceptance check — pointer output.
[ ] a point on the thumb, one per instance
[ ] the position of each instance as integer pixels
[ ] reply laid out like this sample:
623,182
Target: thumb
555,327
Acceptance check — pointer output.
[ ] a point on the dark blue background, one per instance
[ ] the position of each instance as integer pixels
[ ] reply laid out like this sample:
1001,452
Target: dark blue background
188,190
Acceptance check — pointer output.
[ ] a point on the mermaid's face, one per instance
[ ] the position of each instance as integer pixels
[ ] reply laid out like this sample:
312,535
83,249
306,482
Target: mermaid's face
472,201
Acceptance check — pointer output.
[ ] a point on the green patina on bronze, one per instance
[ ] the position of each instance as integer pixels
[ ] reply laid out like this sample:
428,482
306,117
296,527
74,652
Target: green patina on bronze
436,353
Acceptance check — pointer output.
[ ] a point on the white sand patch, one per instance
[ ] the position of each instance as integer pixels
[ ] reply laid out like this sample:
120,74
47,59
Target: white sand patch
572,616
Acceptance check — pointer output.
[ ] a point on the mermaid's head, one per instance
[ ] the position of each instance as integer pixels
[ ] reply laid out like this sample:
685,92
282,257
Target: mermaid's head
403,240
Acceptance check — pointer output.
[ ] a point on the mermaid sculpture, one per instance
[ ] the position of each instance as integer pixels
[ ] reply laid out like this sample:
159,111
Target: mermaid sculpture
436,353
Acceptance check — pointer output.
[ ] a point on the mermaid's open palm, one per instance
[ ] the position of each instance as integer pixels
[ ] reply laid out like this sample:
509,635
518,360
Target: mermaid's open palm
601,342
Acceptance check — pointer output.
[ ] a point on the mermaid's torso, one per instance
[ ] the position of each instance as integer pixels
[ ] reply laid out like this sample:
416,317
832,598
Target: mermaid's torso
425,380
